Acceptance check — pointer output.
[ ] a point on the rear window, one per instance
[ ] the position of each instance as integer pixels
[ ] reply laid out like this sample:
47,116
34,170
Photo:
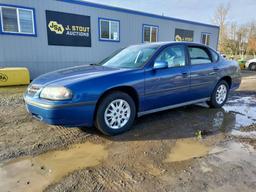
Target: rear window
199,55
215,56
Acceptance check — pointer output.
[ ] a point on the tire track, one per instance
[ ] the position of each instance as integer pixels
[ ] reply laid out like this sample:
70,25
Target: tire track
104,179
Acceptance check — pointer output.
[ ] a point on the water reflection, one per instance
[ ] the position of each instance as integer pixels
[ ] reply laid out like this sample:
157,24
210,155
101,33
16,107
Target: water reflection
180,123
244,108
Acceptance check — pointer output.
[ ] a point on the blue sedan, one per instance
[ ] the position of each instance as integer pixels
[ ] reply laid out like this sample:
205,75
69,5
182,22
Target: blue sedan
134,81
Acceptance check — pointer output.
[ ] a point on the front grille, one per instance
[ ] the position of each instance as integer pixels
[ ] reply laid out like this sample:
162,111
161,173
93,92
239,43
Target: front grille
33,89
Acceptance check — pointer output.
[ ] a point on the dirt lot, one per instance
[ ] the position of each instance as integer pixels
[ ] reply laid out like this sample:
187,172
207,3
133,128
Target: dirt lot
192,148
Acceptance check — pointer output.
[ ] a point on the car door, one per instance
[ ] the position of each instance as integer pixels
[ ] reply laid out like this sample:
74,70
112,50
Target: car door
203,72
170,85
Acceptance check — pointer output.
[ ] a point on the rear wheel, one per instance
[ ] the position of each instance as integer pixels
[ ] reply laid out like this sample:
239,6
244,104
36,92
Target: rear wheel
219,95
115,114
252,66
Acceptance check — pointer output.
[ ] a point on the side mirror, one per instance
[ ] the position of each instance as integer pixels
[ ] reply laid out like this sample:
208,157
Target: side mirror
160,65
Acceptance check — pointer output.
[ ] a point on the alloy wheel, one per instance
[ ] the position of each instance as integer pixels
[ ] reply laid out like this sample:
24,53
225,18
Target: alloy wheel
117,114
221,94
253,67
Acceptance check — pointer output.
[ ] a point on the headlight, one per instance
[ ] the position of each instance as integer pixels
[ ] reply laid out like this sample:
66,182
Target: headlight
56,93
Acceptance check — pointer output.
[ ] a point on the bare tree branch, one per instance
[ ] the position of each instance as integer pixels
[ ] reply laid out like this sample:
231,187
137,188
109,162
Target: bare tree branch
220,18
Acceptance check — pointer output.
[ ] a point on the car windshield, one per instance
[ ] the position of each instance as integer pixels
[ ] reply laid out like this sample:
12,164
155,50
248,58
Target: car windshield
130,57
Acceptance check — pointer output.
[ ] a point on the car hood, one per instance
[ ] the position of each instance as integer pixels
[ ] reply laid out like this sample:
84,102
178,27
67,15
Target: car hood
252,60
72,74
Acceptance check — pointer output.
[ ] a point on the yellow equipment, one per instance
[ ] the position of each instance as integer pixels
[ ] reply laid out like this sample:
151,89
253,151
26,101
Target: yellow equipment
14,76
242,65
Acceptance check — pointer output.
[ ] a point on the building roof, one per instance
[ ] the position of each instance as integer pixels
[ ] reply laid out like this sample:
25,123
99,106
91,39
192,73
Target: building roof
129,11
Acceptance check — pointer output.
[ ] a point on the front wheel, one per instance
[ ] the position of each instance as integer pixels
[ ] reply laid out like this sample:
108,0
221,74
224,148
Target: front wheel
252,67
219,95
115,113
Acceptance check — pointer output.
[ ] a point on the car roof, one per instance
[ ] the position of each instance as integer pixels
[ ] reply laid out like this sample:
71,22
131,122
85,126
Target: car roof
180,43
164,43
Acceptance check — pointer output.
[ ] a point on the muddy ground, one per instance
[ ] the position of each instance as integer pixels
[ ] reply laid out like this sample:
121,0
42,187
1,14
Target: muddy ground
192,148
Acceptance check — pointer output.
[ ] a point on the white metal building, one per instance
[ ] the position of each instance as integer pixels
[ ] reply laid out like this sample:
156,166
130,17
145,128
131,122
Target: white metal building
51,34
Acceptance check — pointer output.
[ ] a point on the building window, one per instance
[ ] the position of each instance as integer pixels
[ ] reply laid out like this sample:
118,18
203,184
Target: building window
150,33
109,30
205,39
184,35
17,20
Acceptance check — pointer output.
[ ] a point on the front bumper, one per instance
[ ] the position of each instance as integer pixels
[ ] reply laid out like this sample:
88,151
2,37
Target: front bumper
67,114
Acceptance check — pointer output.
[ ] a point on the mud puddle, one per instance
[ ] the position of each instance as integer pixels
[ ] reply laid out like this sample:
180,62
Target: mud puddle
186,149
244,135
35,173
244,109
234,152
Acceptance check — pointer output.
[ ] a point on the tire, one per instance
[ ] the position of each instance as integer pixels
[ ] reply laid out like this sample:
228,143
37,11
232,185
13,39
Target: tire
216,100
252,67
105,113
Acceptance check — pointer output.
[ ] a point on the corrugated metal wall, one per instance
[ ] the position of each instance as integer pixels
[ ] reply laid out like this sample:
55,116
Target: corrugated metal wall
39,57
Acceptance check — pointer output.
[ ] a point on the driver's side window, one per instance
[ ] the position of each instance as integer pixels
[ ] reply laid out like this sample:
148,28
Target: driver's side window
173,55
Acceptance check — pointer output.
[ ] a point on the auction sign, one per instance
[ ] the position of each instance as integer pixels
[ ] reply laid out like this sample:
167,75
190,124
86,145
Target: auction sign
184,35
68,29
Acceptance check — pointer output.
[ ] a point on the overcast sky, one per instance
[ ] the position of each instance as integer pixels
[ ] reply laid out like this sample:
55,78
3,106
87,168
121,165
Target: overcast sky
241,11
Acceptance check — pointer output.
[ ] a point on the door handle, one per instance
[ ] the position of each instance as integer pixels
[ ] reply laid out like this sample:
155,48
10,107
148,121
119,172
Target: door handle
212,73
184,74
